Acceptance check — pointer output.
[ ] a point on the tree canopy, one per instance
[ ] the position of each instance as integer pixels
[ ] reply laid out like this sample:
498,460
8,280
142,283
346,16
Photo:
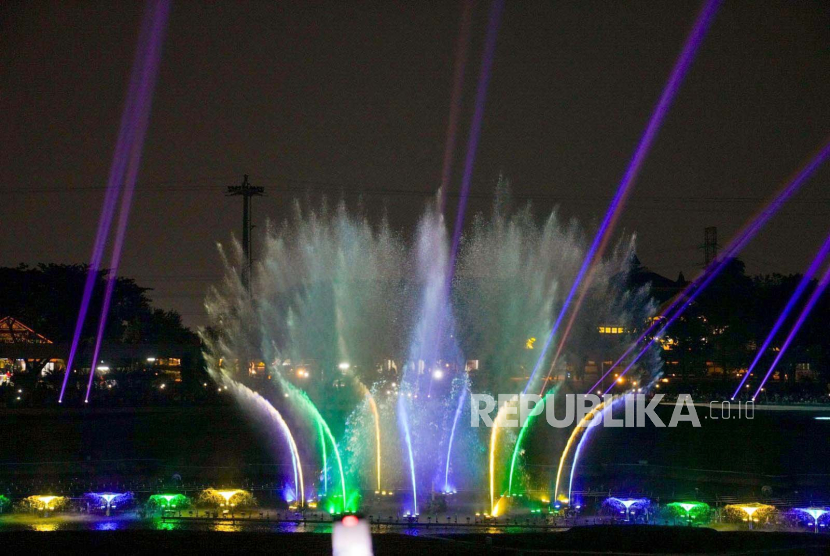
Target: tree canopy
47,298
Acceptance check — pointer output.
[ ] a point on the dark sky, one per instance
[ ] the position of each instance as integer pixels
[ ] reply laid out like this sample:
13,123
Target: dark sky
357,95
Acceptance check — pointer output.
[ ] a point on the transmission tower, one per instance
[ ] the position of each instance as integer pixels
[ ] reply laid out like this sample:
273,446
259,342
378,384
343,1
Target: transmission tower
247,191
710,245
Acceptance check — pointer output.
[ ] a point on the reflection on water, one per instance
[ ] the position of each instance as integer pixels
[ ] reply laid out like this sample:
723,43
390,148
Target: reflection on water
166,525
85,522
226,527
52,526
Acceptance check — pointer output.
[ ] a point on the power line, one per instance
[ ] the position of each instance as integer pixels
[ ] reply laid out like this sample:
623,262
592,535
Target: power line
355,189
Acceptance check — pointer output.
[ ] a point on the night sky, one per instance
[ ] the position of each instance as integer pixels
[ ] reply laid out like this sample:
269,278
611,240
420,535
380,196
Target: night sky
347,97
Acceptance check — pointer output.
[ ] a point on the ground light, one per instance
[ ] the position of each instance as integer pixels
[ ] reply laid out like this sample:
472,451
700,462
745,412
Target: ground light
815,513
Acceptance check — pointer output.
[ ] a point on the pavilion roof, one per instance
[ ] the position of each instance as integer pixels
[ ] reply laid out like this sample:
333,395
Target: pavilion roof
12,331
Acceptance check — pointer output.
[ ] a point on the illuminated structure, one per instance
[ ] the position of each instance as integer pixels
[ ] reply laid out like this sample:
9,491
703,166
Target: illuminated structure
24,350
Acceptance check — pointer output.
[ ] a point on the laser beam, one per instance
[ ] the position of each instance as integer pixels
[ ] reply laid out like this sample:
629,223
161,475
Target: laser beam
603,235
461,49
805,312
151,30
791,303
693,290
149,74
496,9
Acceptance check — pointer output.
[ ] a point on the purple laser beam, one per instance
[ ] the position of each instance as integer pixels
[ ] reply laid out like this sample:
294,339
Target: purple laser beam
691,291
149,63
461,49
741,238
496,9
114,181
805,312
791,303
603,235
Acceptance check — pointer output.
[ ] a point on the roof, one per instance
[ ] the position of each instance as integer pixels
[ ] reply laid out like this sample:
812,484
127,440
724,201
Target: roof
12,331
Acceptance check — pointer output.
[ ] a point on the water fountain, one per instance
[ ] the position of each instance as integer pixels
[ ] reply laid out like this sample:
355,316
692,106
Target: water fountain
169,501
692,511
751,513
43,503
815,513
628,503
349,328
108,500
